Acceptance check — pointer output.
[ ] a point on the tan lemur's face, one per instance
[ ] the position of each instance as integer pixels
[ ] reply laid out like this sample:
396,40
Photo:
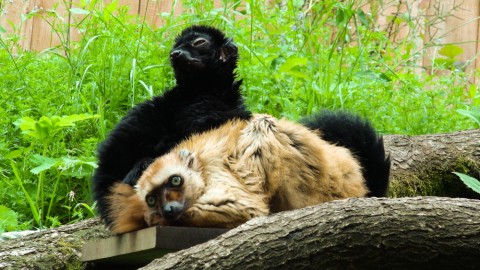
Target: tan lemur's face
169,186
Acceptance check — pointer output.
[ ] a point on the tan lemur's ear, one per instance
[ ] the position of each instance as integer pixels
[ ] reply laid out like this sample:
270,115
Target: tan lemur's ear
190,159
228,50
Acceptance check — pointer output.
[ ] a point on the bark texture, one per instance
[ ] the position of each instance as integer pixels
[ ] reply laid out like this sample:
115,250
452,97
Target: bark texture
58,248
421,232
428,232
423,165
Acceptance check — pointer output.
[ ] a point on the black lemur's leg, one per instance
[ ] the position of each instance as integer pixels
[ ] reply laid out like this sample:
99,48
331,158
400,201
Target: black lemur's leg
358,135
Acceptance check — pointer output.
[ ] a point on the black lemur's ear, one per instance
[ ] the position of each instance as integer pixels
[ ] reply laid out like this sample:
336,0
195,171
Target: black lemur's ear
228,50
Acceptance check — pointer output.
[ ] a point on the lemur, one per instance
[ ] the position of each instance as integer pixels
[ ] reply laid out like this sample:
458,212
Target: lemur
206,95
243,169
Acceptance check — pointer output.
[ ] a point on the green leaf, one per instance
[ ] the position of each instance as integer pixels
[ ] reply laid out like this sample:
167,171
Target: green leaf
472,91
78,167
469,181
69,120
473,113
450,51
372,75
291,66
44,163
31,203
8,219
47,126
293,62
15,153
362,17
79,11
25,123
2,30
340,18
109,10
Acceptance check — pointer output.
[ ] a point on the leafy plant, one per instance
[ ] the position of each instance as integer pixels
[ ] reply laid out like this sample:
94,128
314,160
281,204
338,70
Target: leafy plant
44,133
473,113
450,53
8,219
469,181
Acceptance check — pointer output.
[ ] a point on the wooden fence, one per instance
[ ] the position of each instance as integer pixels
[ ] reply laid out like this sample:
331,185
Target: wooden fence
461,28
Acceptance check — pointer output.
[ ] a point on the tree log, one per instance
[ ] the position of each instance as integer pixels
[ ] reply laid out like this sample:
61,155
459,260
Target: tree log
430,232
420,233
58,248
431,228
423,165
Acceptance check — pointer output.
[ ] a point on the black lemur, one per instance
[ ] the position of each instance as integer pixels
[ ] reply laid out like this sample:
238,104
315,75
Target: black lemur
205,96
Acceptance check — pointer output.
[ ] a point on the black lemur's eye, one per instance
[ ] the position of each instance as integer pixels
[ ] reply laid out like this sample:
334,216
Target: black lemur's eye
175,180
151,200
199,42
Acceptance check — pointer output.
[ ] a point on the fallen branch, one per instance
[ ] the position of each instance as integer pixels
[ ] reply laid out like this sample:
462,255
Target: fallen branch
422,232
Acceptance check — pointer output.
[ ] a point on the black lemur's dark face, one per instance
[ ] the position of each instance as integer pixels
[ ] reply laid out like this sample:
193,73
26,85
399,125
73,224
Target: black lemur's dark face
201,50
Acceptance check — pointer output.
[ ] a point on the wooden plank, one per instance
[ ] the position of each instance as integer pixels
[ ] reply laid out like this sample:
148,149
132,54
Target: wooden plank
477,53
460,29
152,9
140,247
12,15
134,5
43,35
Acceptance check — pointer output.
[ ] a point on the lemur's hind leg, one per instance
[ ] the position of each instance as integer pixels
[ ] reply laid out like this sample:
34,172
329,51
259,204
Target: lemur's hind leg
256,159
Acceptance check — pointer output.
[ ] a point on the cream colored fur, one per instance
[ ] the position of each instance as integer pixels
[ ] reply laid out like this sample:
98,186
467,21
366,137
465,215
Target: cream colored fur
246,169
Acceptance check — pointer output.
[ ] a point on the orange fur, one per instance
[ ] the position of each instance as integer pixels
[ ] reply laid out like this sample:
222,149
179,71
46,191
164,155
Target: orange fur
127,210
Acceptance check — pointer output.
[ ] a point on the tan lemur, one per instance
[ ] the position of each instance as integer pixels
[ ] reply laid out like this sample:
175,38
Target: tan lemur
244,169
154,127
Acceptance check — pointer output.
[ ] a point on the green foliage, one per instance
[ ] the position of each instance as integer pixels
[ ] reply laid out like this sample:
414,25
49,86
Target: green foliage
473,113
296,57
8,219
469,181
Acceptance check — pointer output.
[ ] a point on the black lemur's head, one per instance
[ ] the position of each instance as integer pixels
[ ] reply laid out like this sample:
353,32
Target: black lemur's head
202,54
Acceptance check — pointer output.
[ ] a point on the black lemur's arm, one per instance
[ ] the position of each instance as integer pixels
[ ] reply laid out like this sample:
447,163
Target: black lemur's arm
205,97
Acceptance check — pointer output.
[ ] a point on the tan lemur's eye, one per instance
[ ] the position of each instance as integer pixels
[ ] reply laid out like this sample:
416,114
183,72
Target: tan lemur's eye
175,180
151,200
199,42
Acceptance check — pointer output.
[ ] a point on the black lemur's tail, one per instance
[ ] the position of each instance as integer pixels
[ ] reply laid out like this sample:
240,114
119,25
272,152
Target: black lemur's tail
358,135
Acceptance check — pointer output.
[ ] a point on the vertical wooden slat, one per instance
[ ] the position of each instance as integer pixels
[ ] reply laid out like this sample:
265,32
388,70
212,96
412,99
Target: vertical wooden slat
460,29
133,4
12,12
152,9
390,19
477,52
43,35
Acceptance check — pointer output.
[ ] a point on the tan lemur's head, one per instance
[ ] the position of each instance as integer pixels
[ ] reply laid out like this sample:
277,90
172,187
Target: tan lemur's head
169,186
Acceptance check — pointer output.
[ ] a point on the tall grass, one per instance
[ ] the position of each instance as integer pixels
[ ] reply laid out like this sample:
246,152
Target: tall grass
57,105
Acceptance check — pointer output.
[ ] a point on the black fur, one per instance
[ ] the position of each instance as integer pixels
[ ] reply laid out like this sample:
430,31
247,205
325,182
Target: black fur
206,96
358,135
